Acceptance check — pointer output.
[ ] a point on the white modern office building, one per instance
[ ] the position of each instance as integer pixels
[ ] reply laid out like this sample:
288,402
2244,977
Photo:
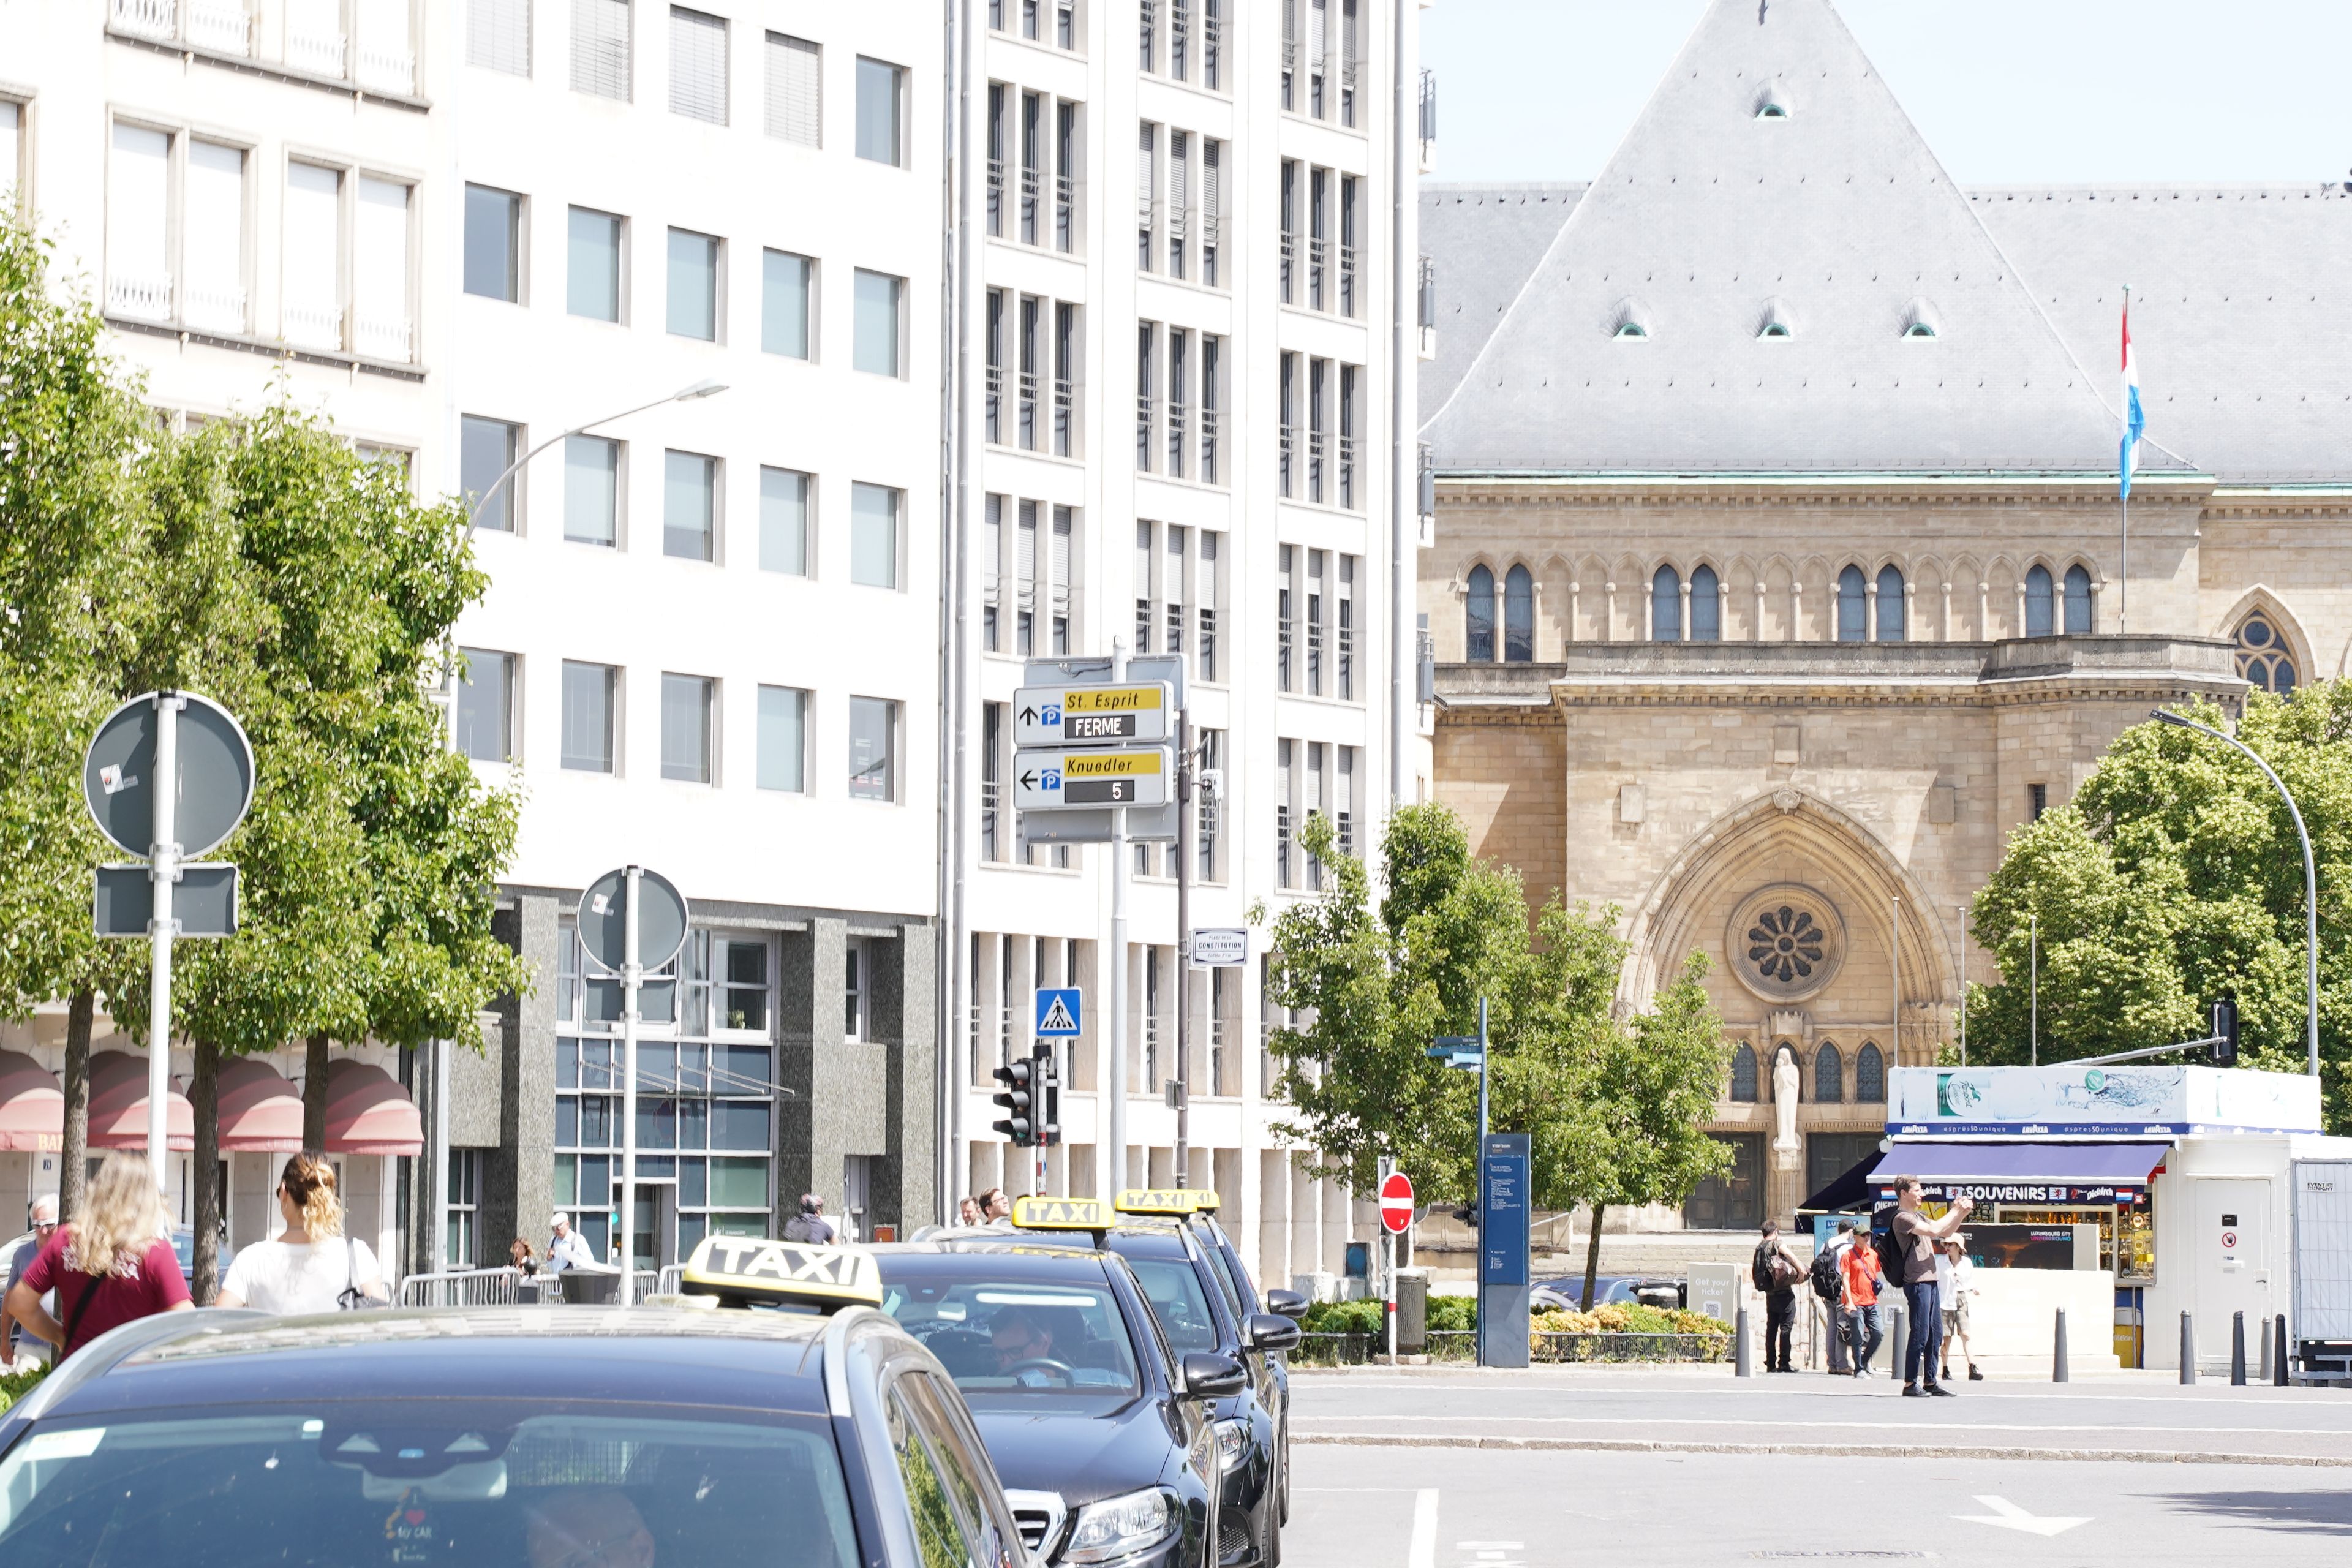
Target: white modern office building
1183,303
850,356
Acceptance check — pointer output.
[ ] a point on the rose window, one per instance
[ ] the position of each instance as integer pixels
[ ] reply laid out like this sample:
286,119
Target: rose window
1786,944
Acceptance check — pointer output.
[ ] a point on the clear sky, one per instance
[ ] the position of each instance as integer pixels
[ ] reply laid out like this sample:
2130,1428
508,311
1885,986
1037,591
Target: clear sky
2041,91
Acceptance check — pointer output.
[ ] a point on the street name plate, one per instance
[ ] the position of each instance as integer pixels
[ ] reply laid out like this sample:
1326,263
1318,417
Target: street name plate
1091,715
1055,780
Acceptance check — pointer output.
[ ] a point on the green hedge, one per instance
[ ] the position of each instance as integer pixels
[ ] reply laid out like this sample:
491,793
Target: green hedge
15,1385
1445,1312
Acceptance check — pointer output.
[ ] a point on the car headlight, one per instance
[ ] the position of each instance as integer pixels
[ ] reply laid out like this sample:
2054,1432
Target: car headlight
1233,1440
1118,1526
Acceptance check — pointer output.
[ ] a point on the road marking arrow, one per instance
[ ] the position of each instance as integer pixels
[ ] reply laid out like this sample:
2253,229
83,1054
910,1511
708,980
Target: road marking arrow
2009,1516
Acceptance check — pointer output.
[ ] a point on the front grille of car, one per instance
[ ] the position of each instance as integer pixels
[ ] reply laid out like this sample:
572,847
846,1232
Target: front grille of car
1233,1535
1039,1516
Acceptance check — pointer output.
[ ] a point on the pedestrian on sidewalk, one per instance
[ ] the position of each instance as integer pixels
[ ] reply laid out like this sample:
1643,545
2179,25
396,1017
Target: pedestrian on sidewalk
1777,1272
1828,1276
1955,1284
1920,1241
18,1348
967,1211
566,1248
113,1265
809,1225
995,1208
1864,1280
310,1266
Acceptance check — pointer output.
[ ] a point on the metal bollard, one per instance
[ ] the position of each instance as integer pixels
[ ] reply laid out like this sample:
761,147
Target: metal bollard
2237,1350
1898,1331
1743,1363
2278,1357
2188,1351
2263,1365
2058,1351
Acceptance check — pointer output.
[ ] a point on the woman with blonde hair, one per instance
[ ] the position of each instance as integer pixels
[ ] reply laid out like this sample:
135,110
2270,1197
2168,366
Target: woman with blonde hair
113,1265
310,1266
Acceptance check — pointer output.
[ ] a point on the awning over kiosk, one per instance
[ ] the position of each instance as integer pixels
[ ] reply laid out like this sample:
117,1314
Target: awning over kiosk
260,1112
368,1113
32,1106
118,1106
2024,1173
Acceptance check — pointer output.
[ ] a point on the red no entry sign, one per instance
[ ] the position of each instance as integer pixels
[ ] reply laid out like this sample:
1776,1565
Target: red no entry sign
1396,1202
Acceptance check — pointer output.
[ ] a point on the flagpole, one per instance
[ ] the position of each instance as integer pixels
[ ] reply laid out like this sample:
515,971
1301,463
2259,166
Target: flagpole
2123,588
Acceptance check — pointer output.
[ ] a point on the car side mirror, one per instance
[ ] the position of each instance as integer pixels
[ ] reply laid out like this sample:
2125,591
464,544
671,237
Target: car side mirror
1290,1303
1208,1375
1270,1331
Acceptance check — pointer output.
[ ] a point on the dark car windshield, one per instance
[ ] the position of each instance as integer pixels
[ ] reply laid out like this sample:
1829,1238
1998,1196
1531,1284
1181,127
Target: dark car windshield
1174,1288
1004,1335
488,1483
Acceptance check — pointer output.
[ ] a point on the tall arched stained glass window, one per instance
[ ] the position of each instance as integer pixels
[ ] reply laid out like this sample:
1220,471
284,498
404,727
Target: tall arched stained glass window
1890,604
1478,617
2038,592
1667,605
1743,1075
2263,655
1869,1075
1518,617
1707,607
1829,1074
2078,602
1852,623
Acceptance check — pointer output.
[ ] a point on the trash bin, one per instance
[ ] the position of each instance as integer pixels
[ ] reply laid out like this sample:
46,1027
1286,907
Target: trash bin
591,1287
1413,1310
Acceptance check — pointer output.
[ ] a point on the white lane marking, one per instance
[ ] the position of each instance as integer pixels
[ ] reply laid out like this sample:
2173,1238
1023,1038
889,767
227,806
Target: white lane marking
1423,1550
2009,1516
1912,1426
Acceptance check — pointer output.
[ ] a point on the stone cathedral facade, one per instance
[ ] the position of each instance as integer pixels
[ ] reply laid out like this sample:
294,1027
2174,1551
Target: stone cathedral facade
1778,570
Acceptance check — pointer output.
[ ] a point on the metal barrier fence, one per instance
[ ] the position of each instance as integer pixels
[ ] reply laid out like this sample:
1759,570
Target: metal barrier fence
463,1288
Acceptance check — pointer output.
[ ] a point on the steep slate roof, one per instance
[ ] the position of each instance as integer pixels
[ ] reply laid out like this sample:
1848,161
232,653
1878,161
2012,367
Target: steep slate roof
1836,220
1486,240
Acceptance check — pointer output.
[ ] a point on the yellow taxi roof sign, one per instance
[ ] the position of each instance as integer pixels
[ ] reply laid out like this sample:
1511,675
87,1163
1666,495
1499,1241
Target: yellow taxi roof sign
745,1267
1061,1214
1168,1200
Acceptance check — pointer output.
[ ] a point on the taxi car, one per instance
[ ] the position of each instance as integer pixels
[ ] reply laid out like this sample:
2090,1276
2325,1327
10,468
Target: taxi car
1200,1309
815,1435
1102,1429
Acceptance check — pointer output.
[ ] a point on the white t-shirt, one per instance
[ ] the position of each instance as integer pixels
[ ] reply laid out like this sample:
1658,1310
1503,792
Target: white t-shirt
1952,1282
280,1277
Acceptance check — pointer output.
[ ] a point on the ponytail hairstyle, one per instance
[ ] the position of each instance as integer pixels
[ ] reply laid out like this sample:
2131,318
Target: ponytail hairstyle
309,1180
123,1215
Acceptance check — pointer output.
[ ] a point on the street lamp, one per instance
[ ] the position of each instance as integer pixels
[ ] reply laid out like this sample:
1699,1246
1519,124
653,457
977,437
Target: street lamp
699,390
2310,887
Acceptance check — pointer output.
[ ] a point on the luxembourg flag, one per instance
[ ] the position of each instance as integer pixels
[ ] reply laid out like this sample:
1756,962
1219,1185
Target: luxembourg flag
2134,420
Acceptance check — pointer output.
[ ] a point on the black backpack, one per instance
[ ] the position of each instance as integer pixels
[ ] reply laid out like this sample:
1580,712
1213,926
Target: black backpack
1890,1255
1759,1271
1827,1284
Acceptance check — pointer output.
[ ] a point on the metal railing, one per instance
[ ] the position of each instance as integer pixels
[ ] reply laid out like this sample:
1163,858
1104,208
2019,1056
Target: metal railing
1147,419
996,196
1208,445
992,405
1347,472
1286,448
463,1288
1028,385
1348,265
1032,181
1318,251
1289,262
1066,417
1066,207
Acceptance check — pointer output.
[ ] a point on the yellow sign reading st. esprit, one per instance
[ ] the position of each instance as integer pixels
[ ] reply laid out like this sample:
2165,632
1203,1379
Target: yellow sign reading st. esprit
1113,699
1111,766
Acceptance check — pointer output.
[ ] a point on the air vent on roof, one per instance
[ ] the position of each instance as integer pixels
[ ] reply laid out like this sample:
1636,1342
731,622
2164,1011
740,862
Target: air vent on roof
1776,320
1771,101
1920,320
1630,320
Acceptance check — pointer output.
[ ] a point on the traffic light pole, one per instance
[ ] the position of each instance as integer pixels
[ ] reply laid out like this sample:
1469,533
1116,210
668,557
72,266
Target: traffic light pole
1184,947
632,977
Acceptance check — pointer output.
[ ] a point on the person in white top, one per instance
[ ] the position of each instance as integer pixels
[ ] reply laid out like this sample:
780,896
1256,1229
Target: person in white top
310,1266
1955,1284
569,1248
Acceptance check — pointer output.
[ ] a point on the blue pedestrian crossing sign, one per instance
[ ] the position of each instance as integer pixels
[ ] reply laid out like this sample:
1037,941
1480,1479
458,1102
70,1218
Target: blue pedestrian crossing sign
1060,1012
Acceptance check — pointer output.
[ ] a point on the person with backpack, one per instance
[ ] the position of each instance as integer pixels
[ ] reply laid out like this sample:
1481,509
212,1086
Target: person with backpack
1828,1280
310,1266
1862,1277
1777,1272
113,1265
809,1225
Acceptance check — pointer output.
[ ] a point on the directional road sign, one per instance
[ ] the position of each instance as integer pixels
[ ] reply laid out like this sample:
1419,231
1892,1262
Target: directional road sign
1092,715
1396,1203
1061,1013
215,764
1055,780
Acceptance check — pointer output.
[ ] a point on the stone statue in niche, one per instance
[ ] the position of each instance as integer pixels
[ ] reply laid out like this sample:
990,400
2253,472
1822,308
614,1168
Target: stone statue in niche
1786,1086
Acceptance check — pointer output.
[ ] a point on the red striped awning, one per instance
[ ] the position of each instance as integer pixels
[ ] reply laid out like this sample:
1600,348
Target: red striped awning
368,1113
260,1112
117,1105
32,1106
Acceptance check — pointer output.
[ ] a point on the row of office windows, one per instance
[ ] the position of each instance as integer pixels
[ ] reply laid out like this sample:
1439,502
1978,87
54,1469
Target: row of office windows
1179,398
602,64
1321,404
1183,40
1178,585
1180,203
598,278
1693,611
693,521
1033,350
1321,268
593,722
1322,55
1312,778
1316,622
1036,168
180,238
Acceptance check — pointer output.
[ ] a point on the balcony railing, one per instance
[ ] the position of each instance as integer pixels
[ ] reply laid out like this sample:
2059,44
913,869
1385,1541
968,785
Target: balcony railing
1212,46
225,25
216,309
1347,472
992,818
1348,279
1028,383
1208,445
387,66
383,337
320,53
314,326
996,196
1066,213
1285,458
992,405
1066,417
1317,452
147,295
1146,417
1318,250
1176,432
1208,645
150,19
1289,263
1032,188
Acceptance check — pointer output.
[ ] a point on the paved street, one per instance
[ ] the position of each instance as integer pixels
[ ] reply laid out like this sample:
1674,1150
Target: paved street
1571,1466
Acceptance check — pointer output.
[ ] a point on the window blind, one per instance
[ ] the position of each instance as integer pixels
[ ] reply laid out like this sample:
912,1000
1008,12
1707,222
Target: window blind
992,548
600,47
1180,180
1147,165
313,287
697,64
1212,195
137,270
498,36
379,270
212,224
795,89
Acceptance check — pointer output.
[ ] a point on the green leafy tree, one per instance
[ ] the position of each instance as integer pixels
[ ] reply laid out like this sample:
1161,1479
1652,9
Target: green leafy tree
2174,879
74,442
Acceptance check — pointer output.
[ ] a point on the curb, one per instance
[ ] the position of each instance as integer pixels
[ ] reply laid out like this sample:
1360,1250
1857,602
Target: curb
1813,1450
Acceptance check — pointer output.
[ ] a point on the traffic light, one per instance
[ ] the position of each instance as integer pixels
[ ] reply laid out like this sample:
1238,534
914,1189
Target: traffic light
2225,1033
1019,1099
1049,1098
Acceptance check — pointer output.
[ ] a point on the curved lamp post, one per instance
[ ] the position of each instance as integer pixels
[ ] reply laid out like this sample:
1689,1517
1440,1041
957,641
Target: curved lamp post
2310,886
700,389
